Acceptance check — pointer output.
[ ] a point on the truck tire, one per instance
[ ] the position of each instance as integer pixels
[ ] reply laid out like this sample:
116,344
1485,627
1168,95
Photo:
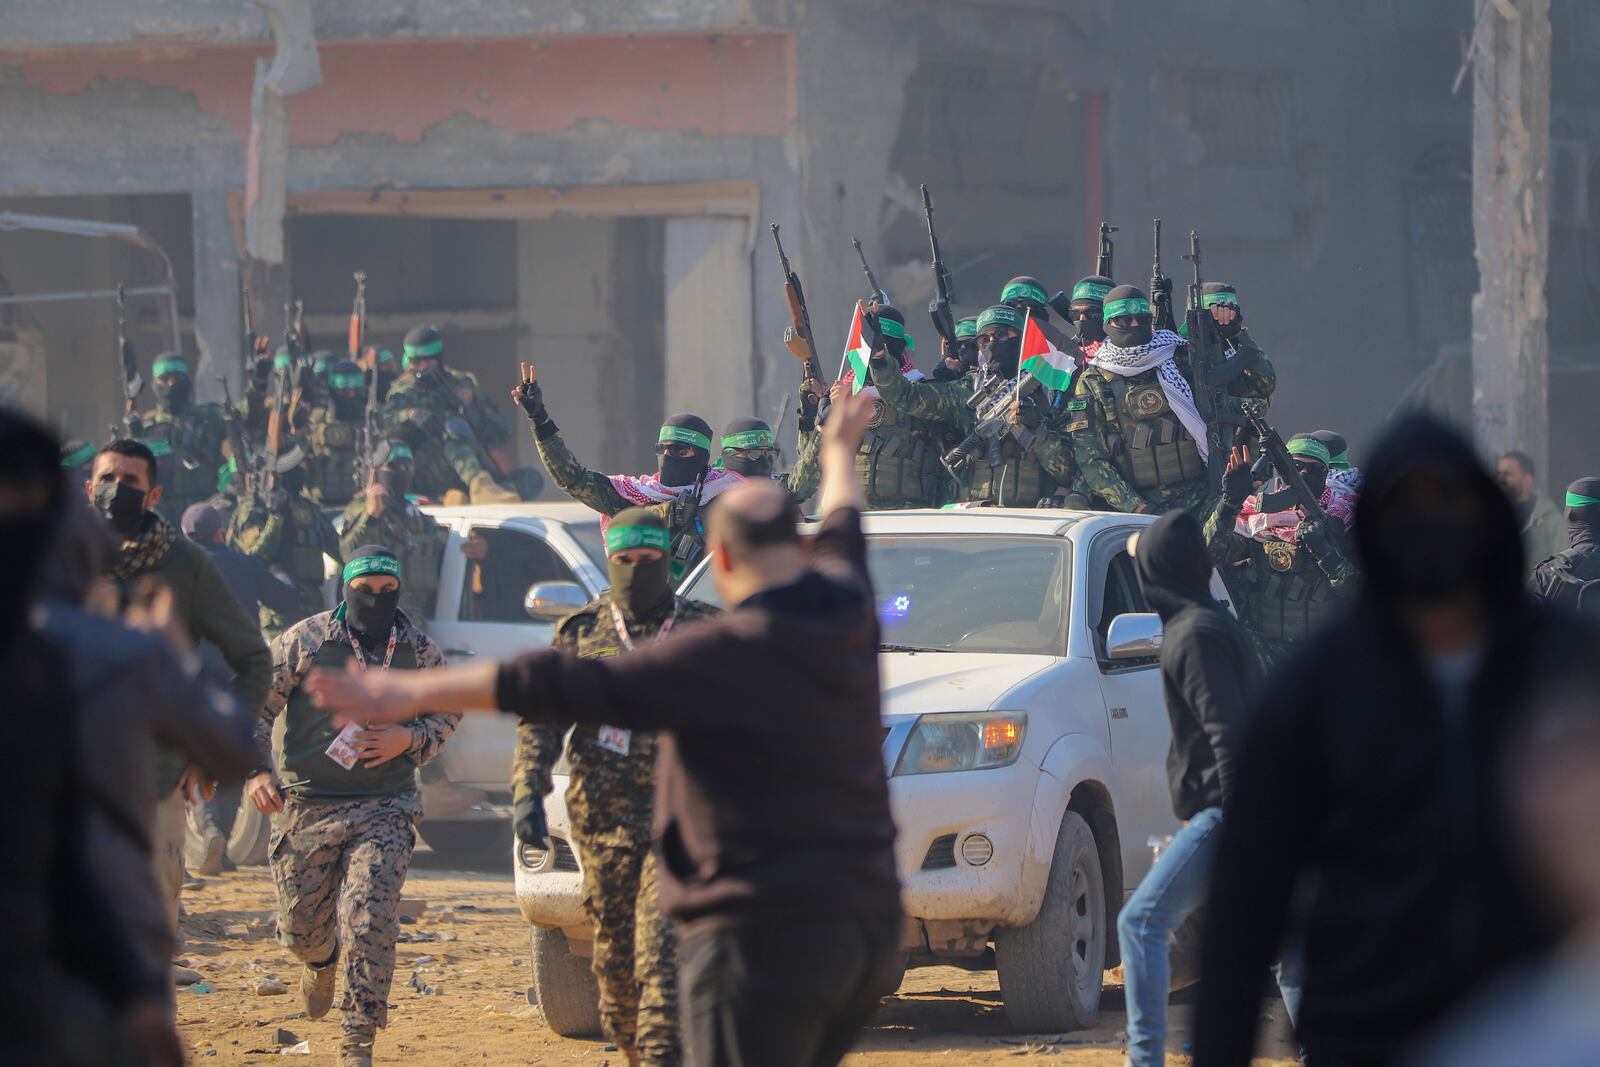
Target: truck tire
564,986
466,838
1052,969
247,841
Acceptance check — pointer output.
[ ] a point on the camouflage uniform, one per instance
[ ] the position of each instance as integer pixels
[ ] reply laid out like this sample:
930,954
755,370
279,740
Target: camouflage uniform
415,538
1280,590
291,535
609,803
342,844
335,445
188,450
897,462
1000,471
1130,445
446,458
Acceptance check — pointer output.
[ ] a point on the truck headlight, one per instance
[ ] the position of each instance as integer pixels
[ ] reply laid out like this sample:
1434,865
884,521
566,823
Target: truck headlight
966,741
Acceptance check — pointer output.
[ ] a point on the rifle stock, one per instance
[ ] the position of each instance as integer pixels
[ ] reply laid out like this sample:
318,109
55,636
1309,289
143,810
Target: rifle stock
797,336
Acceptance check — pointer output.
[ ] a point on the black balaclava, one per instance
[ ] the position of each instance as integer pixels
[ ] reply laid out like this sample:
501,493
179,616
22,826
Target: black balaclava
641,590
172,397
1583,518
1027,294
1123,302
748,433
122,505
1173,567
347,385
689,430
1090,295
371,615
31,456
1427,552
293,479
1003,355
396,479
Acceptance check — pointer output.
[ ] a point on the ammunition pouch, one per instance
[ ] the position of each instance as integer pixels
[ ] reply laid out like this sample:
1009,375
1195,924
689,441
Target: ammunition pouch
898,466
1154,448
1294,597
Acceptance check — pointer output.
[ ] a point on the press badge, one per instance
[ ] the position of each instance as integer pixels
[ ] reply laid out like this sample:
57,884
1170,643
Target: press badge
614,739
343,751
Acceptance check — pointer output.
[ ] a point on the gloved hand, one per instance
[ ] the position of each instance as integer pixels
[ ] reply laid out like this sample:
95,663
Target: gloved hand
1230,320
1238,483
872,332
528,822
808,407
530,397
1161,288
1061,304
1316,539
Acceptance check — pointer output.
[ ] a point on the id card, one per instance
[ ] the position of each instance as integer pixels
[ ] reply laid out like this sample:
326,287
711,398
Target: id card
343,751
614,739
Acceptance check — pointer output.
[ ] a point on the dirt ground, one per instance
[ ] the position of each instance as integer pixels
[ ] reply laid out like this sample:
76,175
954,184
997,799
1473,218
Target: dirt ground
469,947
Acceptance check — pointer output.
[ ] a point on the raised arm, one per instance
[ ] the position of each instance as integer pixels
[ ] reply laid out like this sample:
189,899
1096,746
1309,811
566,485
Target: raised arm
577,481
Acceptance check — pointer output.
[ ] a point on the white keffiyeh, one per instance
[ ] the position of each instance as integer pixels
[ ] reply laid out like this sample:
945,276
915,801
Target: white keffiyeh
1157,354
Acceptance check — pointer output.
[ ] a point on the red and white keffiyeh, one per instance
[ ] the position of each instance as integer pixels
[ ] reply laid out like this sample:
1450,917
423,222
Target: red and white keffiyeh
646,489
1338,501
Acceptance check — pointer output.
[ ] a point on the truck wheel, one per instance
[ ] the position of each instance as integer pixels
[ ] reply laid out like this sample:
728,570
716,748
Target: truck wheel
467,838
564,986
248,839
1051,970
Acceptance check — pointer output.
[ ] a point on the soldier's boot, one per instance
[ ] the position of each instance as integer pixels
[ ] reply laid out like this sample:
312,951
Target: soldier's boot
355,1049
485,490
316,986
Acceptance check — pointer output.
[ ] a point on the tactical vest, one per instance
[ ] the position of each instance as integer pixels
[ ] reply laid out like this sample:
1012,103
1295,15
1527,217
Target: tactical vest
1294,597
898,462
302,734
1000,474
300,551
1152,447
332,482
173,441
420,558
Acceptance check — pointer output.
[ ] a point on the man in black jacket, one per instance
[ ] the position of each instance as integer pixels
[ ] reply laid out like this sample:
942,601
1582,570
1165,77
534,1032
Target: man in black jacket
1370,777
1209,673
248,577
1564,580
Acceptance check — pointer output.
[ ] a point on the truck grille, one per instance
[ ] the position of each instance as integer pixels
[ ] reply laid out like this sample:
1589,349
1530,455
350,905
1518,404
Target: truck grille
941,854
566,861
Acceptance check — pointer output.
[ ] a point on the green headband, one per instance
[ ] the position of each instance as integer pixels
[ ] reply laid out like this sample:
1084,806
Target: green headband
1578,500
966,328
81,456
385,356
749,439
890,328
1090,291
347,381
1000,315
1310,446
1133,305
159,448
1341,462
1023,291
432,348
399,451
619,538
281,360
169,365
1227,296
370,565
225,475
683,436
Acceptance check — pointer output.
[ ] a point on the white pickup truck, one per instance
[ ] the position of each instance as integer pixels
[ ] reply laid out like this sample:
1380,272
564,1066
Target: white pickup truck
1026,739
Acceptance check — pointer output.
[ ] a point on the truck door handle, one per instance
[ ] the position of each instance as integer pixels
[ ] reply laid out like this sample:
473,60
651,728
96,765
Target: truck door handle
461,652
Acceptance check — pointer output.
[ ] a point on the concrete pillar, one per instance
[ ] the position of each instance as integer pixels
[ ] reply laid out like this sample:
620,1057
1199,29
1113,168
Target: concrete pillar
1511,223
710,353
565,304
218,310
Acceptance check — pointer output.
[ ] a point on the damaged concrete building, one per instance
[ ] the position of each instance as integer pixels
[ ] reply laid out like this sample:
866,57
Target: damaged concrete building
588,185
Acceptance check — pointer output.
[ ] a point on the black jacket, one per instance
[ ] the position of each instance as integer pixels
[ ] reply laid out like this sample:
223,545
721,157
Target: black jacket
1208,671
1559,580
1360,787
252,582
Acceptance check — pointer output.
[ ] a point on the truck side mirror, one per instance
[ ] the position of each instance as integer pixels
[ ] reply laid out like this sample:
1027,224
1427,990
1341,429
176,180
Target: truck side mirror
1136,635
550,601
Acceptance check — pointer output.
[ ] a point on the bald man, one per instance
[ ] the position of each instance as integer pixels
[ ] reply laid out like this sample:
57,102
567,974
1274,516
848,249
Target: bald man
772,826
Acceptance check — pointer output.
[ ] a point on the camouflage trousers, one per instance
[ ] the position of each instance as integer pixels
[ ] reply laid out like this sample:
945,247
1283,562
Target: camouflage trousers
635,948
339,869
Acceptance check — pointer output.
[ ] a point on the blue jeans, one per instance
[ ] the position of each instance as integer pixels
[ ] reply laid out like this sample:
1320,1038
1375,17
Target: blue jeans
1173,889
1169,894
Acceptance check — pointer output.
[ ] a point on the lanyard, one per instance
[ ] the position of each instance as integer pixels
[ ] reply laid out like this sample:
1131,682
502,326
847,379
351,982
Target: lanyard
361,659
622,627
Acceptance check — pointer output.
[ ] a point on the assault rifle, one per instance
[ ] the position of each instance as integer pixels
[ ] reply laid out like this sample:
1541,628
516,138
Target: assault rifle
941,307
1210,395
689,543
993,407
1160,288
874,290
797,336
358,318
372,419
236,445
1102,259
132,383
249,328
1277,453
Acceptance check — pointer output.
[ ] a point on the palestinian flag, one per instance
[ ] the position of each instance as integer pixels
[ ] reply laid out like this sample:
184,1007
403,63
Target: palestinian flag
856,353
1044,360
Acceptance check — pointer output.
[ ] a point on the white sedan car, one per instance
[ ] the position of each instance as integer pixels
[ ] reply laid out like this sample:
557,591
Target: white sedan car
1026,739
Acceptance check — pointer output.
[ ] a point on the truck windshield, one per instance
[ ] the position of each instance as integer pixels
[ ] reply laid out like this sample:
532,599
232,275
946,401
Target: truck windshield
961,593
588,536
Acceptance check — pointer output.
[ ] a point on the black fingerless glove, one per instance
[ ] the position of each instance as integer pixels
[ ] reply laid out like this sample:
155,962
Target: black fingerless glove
1237,485
528,822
